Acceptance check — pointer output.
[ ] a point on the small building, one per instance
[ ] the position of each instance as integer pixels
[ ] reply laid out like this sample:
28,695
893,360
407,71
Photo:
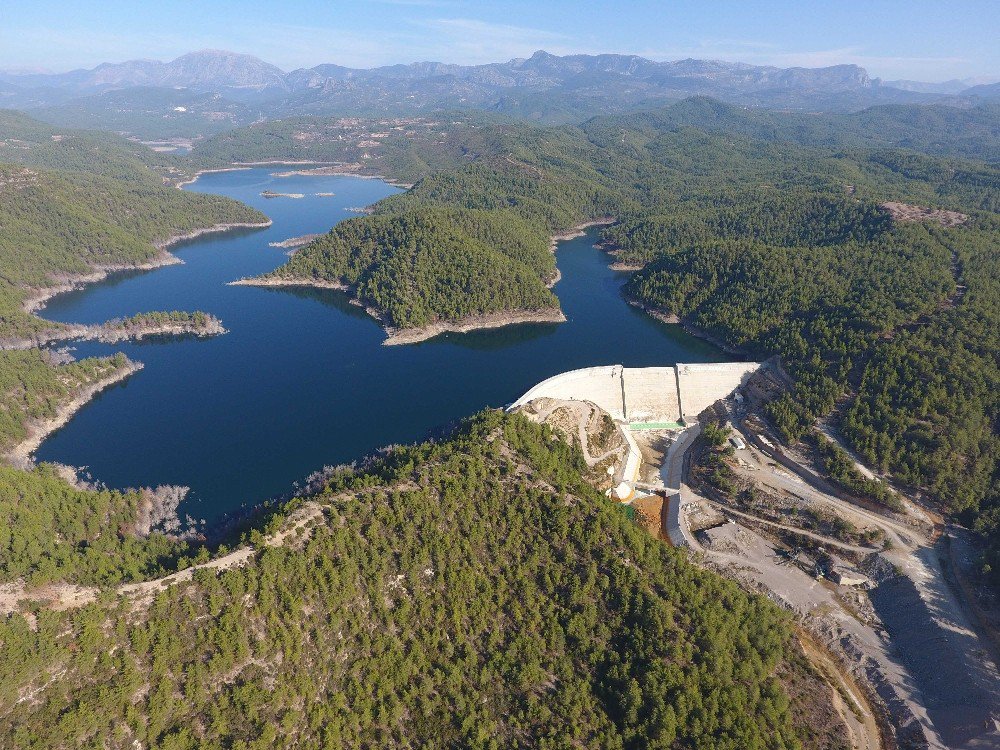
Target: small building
845,576
738,443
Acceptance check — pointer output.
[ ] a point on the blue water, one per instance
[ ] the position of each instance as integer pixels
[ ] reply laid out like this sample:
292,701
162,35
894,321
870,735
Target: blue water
302,379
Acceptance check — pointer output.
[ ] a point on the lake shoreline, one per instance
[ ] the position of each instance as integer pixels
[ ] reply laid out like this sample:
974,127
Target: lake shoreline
579,230
194,178
399,336
329,169
39,429
110,333
672,319
487,321
479,322
317,339
292,244
36,297
322,169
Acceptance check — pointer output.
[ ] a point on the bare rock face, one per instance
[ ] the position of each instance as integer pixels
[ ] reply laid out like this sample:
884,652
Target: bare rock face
904,213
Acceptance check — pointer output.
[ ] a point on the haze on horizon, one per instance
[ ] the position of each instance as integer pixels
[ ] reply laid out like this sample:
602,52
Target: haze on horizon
893,39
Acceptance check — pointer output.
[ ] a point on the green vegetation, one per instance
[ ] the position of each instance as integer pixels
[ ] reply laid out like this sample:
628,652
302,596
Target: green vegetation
143,322
105,207
838,466
791,218
764,230
150,112
66,224
928,401
470,593
878,314
30,143
52,531
933,129
408,147
670,185
450,259
477,592
819,307
32,388
883,318
711,467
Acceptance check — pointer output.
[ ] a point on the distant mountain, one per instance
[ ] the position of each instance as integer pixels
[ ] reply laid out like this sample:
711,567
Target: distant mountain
544,87
151,112
986,91
620,81
207,69
953,86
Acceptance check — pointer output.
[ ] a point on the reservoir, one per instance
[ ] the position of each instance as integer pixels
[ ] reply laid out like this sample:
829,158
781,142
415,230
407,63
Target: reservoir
302,379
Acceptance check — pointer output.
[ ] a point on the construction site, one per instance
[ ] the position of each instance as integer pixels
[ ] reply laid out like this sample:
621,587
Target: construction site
871,587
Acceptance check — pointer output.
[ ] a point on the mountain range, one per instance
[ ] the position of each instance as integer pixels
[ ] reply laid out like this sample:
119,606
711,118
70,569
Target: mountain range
212,90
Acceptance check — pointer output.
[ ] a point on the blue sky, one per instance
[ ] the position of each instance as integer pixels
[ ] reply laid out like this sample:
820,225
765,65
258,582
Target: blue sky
917,39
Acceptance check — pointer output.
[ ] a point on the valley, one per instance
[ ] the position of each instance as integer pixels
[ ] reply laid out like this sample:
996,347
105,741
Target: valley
571,400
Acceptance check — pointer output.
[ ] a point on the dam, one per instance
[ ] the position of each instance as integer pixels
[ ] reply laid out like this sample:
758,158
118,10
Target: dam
668,398
651,400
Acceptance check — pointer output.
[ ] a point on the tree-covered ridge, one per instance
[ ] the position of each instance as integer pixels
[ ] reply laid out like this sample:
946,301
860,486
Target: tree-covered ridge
32,387
935,129
773,241
786,219
417,145
820,307
905,323
667,186
407,148
414,268
49,529
928,402
461,243
31,143
72,202
53,531
62,224
473,593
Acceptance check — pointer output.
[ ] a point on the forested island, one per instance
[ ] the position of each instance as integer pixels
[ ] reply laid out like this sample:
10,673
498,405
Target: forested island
136,327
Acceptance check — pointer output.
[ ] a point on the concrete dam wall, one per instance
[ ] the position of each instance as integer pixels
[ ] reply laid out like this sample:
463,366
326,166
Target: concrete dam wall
647,396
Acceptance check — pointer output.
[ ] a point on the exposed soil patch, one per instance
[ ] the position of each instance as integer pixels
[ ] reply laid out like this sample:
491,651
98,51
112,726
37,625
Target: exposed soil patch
906,212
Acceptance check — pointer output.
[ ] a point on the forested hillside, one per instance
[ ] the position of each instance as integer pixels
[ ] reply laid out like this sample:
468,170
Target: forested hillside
26,141
456,262
72,202
474,592
900,318
941,130
51,531
64,224
555,178
406,148
748,225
